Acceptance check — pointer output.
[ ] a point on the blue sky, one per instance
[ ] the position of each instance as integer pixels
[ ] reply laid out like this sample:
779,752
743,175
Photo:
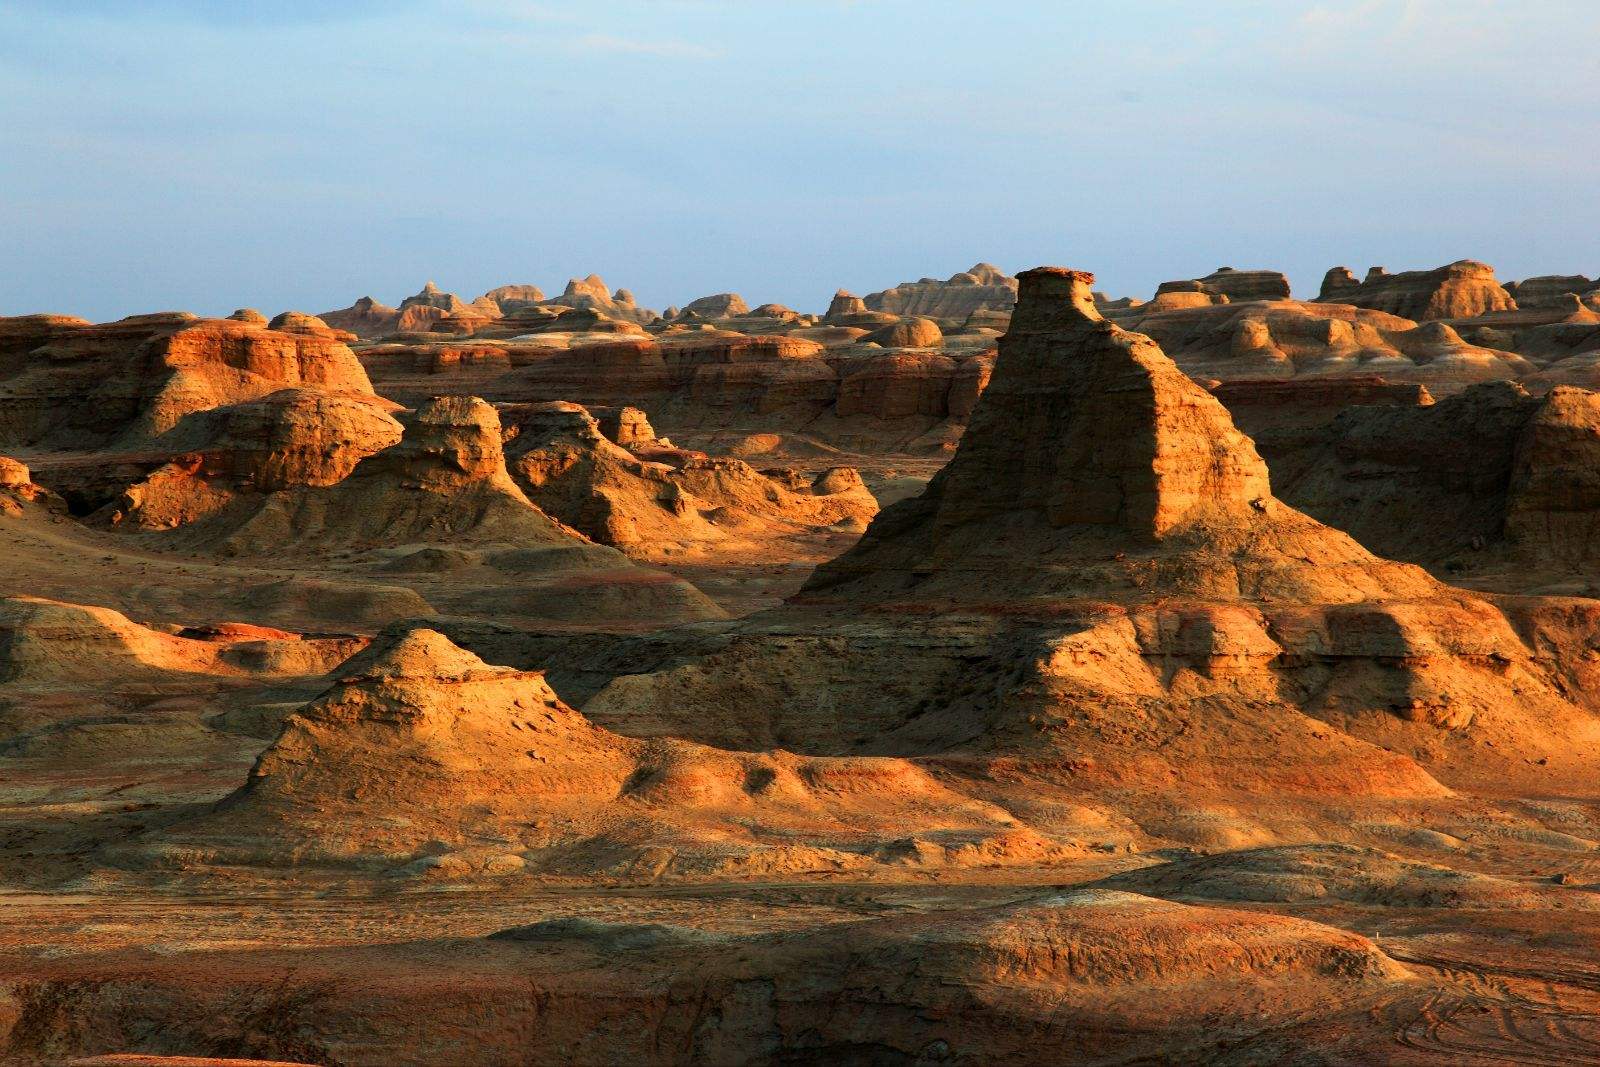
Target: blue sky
206,155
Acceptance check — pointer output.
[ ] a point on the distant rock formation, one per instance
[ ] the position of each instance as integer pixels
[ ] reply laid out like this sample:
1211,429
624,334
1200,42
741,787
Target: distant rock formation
719,306
1236,285
1337,280
591,294
844,304
431,296
984,286
774,311
366,318
1462,290
1553,291
1292,339
725,385
572,471
509,298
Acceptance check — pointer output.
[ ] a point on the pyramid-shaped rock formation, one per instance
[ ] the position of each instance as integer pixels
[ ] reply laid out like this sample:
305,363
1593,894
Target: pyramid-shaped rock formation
423,755
1093,465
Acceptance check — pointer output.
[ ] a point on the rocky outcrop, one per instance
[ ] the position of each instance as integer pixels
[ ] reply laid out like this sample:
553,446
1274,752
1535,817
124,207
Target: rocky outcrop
626,425
72,386
982,287
571,470
1424,482
509,298
366,318
14,474
431,296
778,312
718,306
895,385
1117,447
1337,280
290,439
1487,477
1462,290
1289,419
907,333
844,305
591,294
445,481
1552,506
1236,285
20,496
1551,290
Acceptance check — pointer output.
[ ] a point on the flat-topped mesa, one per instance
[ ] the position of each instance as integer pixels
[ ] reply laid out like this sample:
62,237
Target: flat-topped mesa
1461,290
1093,465
1236,285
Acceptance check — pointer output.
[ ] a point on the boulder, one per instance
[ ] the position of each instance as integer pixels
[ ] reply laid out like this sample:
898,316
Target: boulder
908,333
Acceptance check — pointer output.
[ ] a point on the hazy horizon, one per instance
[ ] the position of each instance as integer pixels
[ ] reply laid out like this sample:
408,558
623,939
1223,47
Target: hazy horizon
183,154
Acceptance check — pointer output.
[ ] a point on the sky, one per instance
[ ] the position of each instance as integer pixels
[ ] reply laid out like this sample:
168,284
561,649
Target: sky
210,154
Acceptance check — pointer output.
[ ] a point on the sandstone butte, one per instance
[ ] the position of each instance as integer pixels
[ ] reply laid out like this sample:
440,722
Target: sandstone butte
982,671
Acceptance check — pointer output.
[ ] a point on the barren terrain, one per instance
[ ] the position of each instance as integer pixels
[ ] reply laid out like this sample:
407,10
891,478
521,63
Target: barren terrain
983,670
